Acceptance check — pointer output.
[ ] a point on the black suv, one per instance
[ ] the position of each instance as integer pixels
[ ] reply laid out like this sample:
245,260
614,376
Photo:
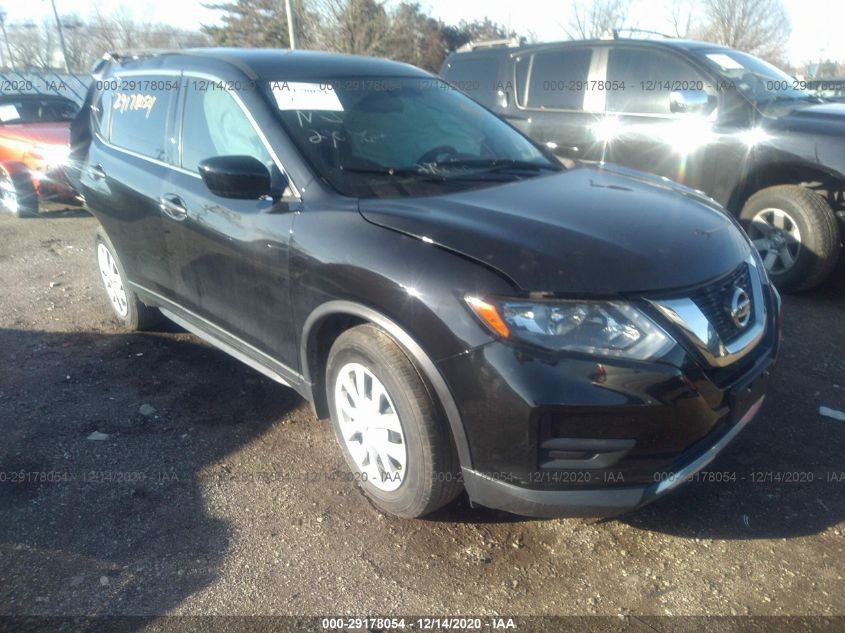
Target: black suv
467,311
733,126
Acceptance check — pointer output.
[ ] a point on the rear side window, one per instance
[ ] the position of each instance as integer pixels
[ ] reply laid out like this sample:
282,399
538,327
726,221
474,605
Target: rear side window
140,110
101,113
648,76
213,125
476,77
557,80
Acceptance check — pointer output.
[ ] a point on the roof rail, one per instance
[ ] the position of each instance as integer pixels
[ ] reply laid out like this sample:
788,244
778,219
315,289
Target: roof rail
617,33
136,53
121,57
508,42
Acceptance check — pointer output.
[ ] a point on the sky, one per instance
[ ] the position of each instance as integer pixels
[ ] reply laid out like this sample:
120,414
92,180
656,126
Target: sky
812,38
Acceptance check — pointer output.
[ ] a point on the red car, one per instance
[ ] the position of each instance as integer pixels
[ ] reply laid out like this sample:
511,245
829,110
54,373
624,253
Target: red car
33,151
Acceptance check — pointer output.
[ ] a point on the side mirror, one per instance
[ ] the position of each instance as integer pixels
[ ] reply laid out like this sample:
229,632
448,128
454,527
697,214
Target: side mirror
691,102
241,177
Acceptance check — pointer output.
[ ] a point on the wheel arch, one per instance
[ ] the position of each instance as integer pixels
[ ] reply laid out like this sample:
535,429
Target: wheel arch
830,184
329,320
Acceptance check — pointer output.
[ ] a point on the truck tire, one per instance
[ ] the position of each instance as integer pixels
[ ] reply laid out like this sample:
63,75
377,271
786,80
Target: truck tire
17,193
796,233
125,304
390,430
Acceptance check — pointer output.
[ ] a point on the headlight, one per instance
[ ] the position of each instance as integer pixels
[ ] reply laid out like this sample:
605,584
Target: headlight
605,328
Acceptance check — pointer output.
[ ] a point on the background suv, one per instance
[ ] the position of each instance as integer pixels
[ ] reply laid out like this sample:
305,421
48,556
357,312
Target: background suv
715,119
467,311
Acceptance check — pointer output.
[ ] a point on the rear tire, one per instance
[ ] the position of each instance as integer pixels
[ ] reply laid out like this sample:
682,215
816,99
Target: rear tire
17,193
125,304
390,430
796,233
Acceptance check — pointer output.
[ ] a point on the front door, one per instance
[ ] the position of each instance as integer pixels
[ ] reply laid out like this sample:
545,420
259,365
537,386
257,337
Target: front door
230,256
640,129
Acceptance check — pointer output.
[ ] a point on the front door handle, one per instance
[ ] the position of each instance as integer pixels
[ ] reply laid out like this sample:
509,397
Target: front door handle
97,172
173,207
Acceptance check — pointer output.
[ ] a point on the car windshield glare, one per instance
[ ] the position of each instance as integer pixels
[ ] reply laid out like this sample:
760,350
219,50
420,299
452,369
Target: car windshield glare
760,81
393,137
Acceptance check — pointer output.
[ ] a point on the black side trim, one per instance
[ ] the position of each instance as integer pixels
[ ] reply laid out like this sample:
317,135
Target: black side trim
224,341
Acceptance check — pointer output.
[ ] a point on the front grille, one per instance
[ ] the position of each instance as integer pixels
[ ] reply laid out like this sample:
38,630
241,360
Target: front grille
713,301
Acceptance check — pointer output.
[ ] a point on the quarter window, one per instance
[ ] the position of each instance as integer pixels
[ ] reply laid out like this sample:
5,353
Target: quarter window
558,79
213,125
648,77
139,114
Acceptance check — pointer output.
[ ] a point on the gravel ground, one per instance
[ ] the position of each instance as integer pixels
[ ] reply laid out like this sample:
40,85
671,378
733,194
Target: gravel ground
215,491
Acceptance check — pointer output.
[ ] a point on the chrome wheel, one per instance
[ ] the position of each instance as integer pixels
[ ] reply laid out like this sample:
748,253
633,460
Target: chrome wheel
112,281
8,195
776,236
370,427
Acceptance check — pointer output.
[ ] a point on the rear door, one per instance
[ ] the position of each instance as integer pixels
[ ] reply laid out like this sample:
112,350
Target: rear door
127,166
230,257
556,99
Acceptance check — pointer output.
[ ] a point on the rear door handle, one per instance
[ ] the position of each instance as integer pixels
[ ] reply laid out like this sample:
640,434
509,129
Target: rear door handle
173,207
97,172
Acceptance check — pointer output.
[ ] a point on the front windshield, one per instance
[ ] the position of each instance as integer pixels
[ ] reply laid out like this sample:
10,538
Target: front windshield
393,137
760,81
34,110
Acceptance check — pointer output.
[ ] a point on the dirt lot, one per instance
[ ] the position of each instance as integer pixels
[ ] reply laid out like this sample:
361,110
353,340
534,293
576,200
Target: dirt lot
231,498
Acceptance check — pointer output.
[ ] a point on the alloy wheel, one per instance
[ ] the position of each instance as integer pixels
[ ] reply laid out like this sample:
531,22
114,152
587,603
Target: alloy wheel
777,237
112,280
370,427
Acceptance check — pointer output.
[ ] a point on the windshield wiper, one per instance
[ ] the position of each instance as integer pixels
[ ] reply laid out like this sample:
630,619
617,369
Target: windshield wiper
383,171
496,164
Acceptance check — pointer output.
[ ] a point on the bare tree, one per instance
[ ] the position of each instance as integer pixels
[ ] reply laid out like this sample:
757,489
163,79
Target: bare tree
262,24
415,38
360,27
760,27
681,13
34,46
594,18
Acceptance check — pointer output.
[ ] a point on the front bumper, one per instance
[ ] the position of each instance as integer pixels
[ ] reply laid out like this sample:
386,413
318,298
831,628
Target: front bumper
606,502
579,436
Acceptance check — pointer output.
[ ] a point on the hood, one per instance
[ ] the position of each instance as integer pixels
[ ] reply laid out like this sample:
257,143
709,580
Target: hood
829,111
585,231
822,118
38,133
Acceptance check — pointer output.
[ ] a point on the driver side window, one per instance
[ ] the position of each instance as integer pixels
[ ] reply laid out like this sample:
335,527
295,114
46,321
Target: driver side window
213,124
648,78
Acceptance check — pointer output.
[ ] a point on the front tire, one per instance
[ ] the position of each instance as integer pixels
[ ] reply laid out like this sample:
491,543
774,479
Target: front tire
390,431
125,304
17,193
796,233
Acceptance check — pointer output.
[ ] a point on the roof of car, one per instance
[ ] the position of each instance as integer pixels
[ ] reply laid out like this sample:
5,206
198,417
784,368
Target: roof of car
666,42
273,64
